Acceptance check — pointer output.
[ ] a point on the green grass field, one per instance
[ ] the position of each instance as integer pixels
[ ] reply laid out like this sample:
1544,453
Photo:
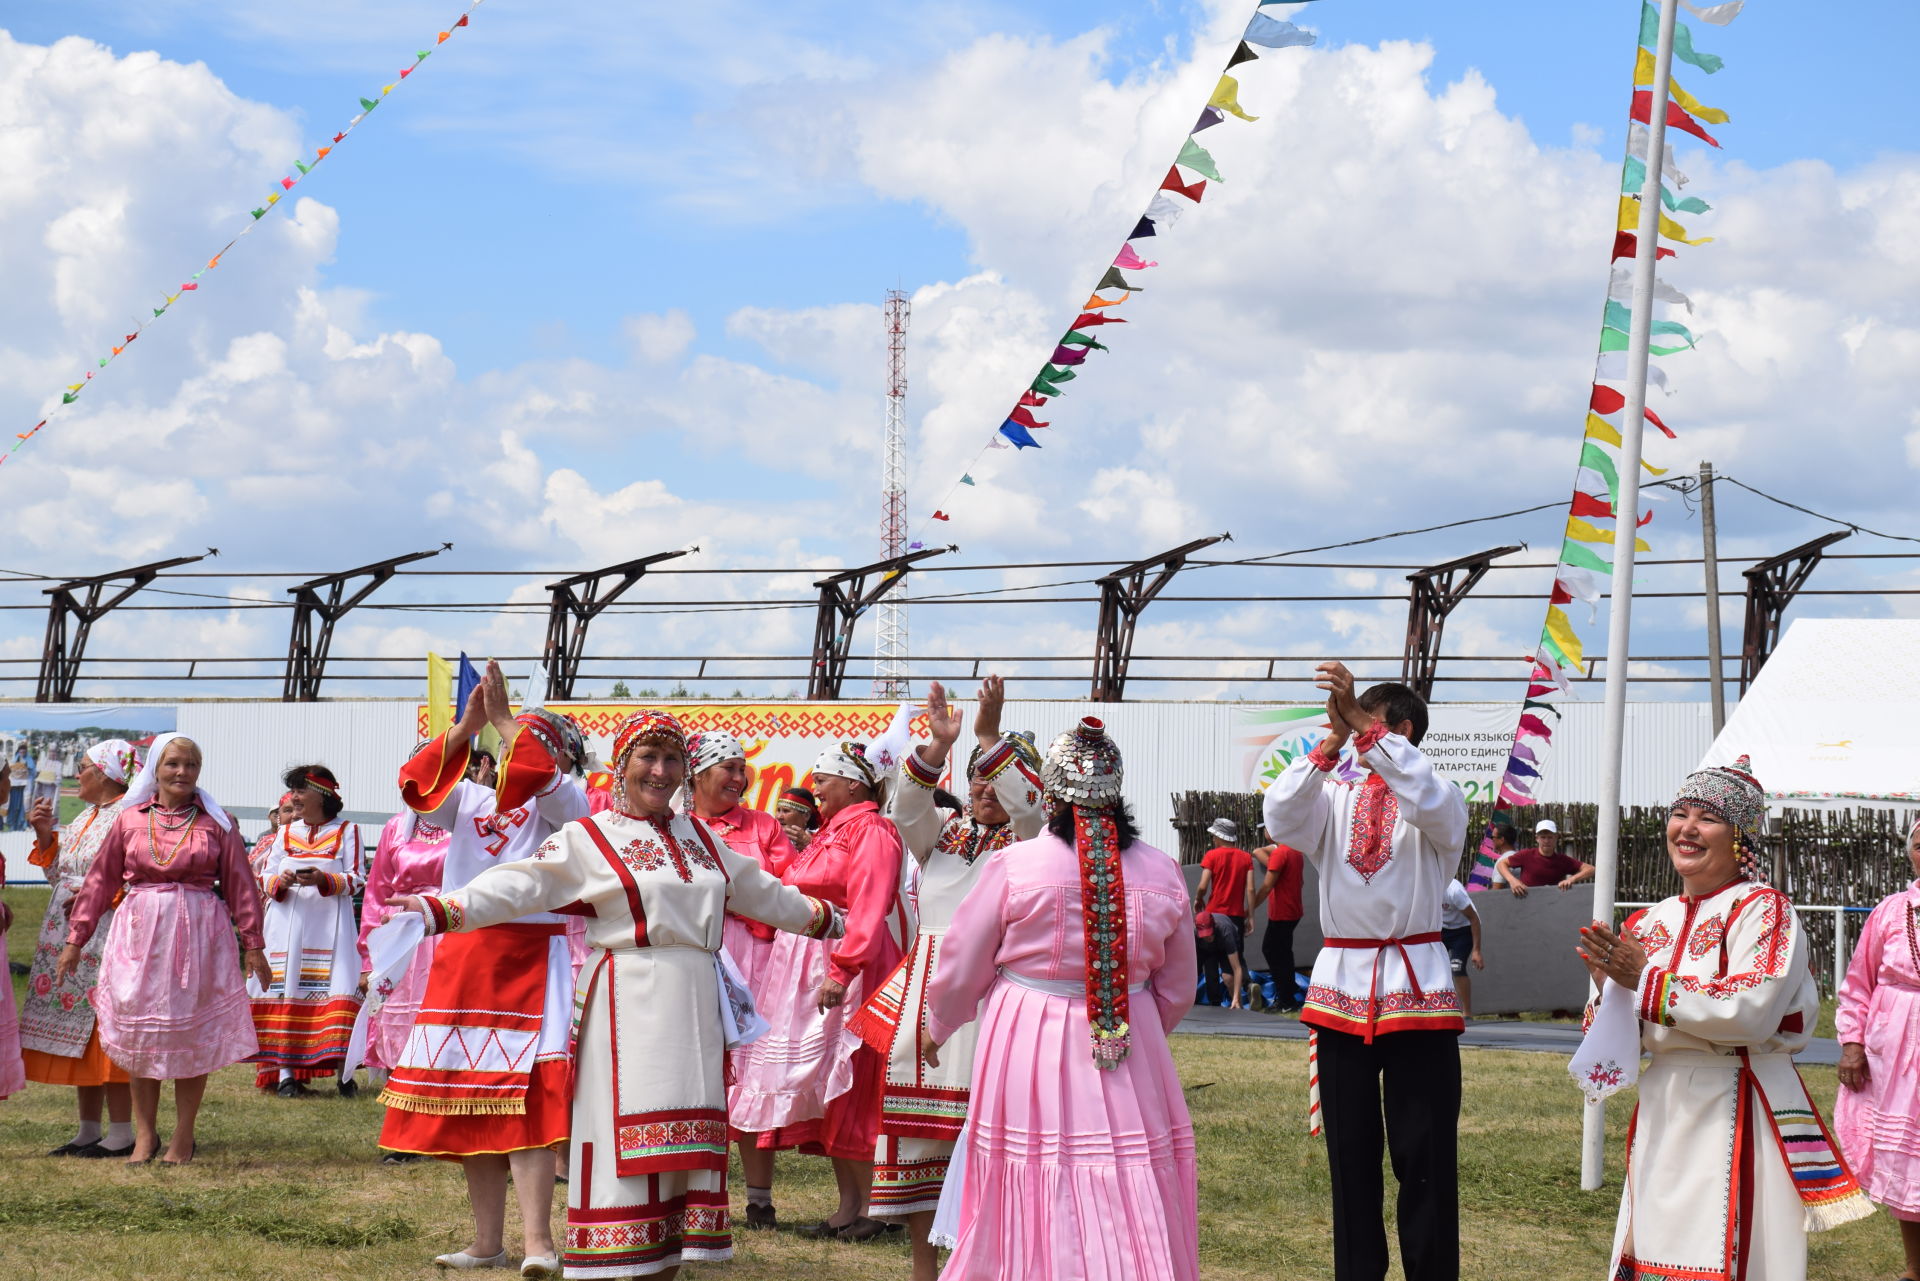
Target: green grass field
290,1190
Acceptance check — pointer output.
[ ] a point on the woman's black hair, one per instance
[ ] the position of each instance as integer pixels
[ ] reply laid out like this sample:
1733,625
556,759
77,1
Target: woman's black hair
296,780
946,800
1060,823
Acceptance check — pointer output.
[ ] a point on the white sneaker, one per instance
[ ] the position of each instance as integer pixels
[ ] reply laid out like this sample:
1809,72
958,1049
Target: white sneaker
538,1267
460,1259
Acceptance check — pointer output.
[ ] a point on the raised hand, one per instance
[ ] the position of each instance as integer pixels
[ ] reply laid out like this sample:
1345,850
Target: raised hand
499,706
991,699
943,719
1342,707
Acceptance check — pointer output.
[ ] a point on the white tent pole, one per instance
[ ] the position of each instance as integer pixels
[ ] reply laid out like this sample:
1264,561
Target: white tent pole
1606,858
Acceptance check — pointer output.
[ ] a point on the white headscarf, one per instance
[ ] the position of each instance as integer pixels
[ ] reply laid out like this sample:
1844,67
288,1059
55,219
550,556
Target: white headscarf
709,748
118,759
146,785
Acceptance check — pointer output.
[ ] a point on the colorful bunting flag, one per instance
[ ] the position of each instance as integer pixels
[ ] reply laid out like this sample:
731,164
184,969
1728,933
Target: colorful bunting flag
1243,54
1676,117
1226,96
1131,260
1682,40
1209,117
1271,33
255,215
1197,158
1174,184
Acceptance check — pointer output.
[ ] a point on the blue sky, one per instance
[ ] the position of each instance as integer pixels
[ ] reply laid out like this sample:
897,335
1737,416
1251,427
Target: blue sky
1401,265
507,252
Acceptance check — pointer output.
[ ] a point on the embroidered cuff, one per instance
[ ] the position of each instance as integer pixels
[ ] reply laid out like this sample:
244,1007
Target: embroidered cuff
995,759
444,916
428,779
332,884
280,887
820,925
920,772
1367,741
43,855
1657,996
1322,759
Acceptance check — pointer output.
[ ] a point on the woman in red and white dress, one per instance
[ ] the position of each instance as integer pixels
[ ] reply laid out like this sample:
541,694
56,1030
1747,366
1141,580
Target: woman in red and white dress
170,1001
304,1016
484,1077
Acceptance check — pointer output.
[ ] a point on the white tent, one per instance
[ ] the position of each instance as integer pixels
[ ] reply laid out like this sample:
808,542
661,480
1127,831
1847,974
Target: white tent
1830,719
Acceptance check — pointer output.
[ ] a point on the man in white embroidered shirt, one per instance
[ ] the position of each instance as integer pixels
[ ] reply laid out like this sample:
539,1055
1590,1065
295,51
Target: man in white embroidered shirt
1381,1001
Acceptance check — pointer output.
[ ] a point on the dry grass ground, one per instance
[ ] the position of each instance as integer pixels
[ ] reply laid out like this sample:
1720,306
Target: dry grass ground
291,1190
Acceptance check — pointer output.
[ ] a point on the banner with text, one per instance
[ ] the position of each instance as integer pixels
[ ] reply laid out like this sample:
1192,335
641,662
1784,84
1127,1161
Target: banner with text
1467,743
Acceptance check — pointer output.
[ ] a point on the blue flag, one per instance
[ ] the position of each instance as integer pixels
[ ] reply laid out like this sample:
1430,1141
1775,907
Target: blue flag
1019,435
466,681
1275,34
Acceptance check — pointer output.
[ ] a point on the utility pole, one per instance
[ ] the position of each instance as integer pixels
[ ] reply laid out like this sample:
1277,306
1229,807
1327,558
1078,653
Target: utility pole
1710,553
890,632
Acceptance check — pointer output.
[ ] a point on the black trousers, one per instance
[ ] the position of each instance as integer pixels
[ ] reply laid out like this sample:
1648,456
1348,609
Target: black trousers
1214,966
1277,947
1412,1080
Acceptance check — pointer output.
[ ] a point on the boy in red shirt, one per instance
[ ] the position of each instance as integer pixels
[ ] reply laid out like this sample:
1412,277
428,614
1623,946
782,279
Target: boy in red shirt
1279,888
1226,878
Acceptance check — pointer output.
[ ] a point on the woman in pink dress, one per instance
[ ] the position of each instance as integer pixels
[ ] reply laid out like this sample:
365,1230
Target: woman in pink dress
170,1001
717,778
1078,1159
1877,1116
407,861
807,1084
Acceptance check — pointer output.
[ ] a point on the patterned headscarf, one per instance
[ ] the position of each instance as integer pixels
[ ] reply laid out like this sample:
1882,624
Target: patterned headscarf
647,725
118,759
1083,769
560,733
801,798
709,748
1023,747
848,760
1735,795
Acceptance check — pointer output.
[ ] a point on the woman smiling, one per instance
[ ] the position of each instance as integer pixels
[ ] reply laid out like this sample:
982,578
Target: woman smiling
1729,1165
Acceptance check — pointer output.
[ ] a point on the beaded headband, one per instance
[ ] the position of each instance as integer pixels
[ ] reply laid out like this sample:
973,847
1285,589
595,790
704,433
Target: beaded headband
649,725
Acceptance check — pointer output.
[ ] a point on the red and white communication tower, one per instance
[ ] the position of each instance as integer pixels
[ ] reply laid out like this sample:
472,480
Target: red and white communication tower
890,632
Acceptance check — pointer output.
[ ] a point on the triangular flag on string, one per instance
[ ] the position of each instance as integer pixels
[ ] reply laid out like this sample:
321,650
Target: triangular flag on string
1275,34
1560,627
1601,430
1114,280
966,480
1086,318
1598,460
69,398
1075,338
1069,355
1682,40
1612,367
189,285
419,54
1591,506
1581,532
213,262
1030,401
103,364
1633,178
273,199
337,137
257,214
1226,96
1676,118
1630,219
1130,259
1620,316
1240,55
941,516
1020,436
996,441
1626,244
1717,14
1209,117
1096,300
1621,286
1142,229
405,72
303,166
385,90
1579,584
1165,210
442,37
1608,400
287,184
1197,158
1612,339
1643,70
1638,140
1024,417
1174,184
462,22
368,104
157,311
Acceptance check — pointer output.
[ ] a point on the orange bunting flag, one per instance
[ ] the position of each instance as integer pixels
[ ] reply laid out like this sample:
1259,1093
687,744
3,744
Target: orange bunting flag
321,154
1098,301
442,39
213,261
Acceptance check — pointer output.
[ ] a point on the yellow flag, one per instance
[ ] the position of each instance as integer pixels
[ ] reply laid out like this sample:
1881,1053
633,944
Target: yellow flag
1599,428
1643,75
1581,531
1630,221
1560,628
1226,96
1658,471
439,696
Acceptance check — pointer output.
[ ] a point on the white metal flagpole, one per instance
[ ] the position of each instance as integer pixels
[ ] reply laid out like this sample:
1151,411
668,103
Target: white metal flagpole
1606,858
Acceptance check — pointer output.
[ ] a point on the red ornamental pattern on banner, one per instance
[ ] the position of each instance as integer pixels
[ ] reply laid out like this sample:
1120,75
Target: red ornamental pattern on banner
191,284
1174,197
1586,549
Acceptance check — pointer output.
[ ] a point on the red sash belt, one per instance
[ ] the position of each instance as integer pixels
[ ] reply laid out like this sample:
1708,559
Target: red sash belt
1373,990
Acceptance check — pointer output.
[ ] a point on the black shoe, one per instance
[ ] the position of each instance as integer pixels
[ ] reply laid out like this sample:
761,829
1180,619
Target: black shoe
762,1218
100,1151
348,1089
75,1149
291,1089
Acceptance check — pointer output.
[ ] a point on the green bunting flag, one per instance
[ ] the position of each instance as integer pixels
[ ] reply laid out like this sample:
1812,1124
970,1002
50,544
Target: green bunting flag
1682,40
368,104
1199,159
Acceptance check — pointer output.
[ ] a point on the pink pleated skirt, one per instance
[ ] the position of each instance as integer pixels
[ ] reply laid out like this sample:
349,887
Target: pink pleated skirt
1879,1127
748,950
805,1060
170,1001
1072,1173
13,1073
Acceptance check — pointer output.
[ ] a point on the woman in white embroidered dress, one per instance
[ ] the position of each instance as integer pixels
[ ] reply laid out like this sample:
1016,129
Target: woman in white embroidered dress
59,1036
1729,1165
304,1017
648,1186
925,1104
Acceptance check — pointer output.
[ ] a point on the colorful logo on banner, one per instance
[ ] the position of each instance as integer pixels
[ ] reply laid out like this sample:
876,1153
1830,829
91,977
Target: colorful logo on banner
782,740
1184,186
301,167
1587,549
1466,742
